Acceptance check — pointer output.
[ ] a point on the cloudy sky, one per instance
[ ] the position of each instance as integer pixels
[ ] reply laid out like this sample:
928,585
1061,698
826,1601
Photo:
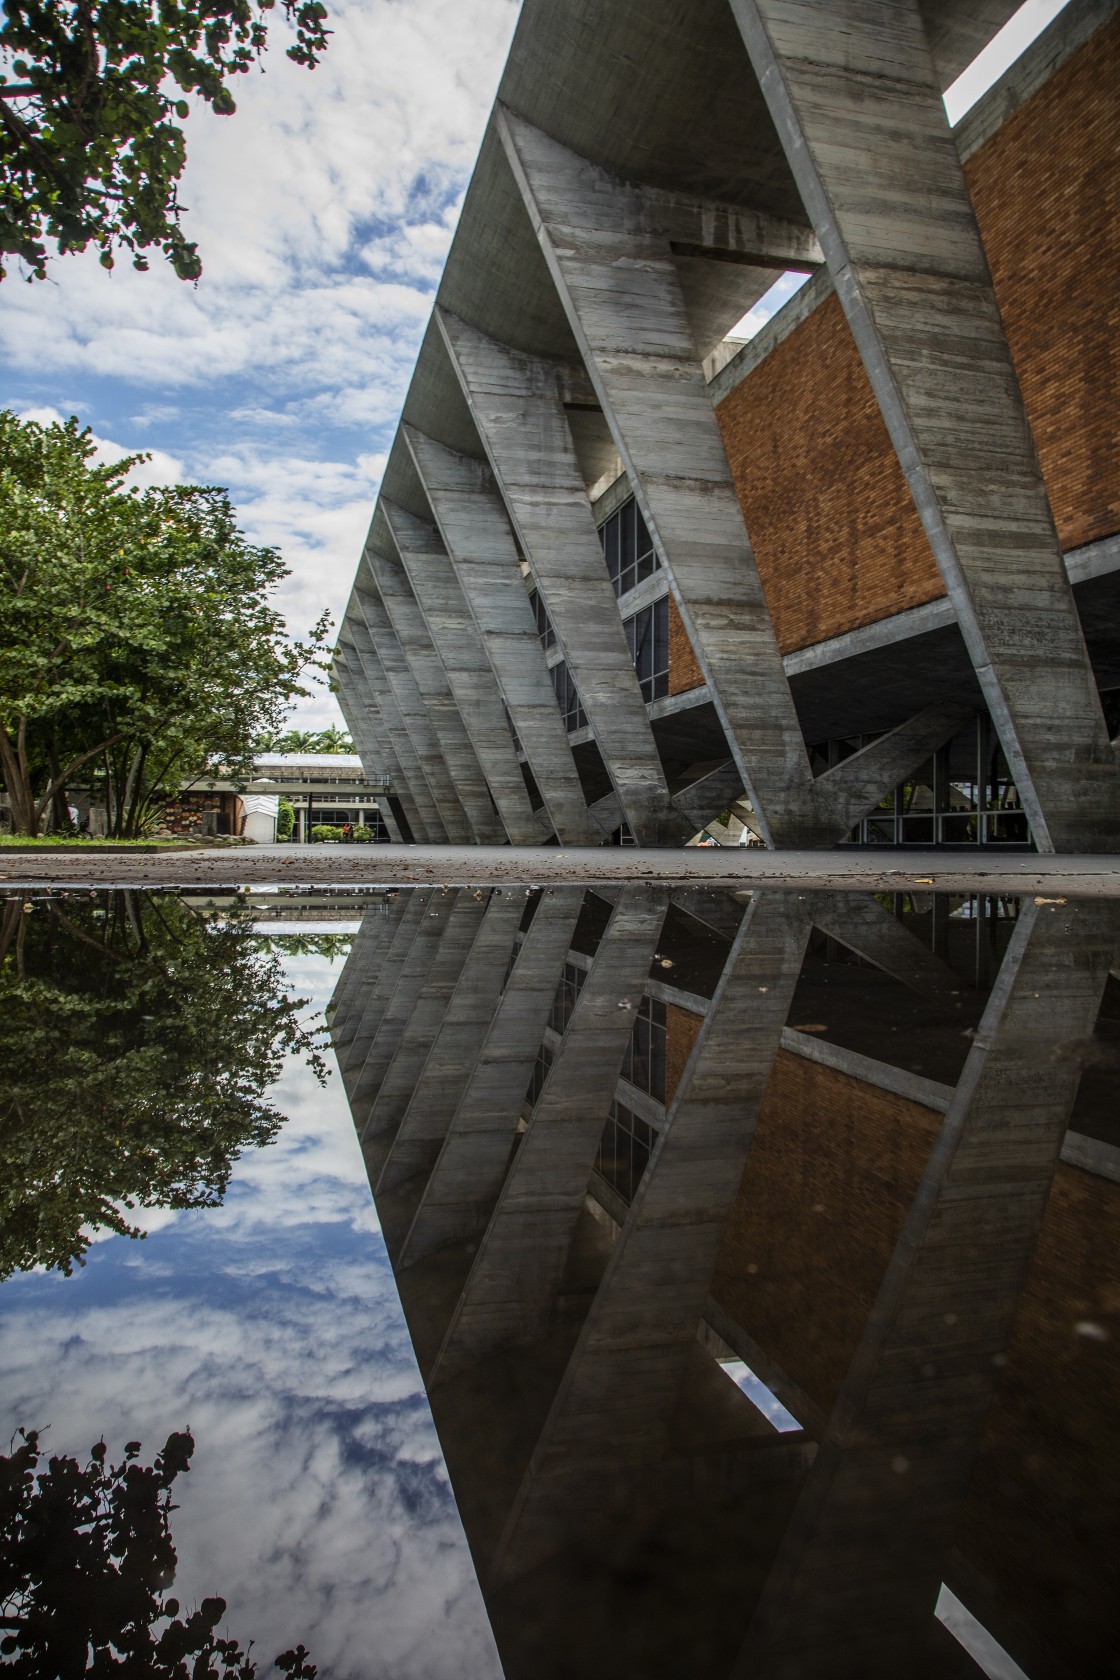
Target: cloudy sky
323,211
317,1503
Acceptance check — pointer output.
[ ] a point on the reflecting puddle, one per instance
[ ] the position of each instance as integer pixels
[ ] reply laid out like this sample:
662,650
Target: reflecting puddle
757,1255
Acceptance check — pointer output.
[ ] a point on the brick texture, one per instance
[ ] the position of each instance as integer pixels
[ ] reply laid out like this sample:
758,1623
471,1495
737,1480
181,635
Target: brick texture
684,667
681,1029
835,532
828,1182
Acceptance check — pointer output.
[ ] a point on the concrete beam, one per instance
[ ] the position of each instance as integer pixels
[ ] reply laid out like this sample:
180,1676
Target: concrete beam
415,793
853,788
618,1397
412,973
460,1194
516,405
520,1261
459,645
456,1050
855,97
435,691
709,794
377,989
863,1558
613,267
413,709
476,533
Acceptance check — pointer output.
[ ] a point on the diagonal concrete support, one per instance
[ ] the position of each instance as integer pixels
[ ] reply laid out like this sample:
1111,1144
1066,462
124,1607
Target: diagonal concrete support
861,923
363,963
416,796
457,641
609,253
857,1577
855,787
516,405
435,691
709,794
520,1262
461,918
377,989
619,1394
456,1050
434,918
857,102
376,754
475,530
414,711
460,1194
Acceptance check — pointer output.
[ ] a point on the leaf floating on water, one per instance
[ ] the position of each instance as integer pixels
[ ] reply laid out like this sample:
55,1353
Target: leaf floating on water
810,1026
1051,901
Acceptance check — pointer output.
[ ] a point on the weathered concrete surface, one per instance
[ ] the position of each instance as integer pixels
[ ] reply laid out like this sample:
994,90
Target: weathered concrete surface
854,93
516,404
1079,875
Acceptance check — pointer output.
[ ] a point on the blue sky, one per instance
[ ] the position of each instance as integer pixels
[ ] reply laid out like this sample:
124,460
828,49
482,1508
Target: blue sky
323,211
317,1503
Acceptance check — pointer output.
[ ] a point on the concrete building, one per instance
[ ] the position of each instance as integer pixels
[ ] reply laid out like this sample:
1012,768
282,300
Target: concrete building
855,580
324,788
619,1141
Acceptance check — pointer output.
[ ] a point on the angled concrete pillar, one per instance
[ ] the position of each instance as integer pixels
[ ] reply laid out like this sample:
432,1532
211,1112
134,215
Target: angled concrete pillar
853,1590
377,988
520,1261
516,405
861,923
607,246
462,916
853,788
459,645
377,756
414,712
619,1394
476,533
434,918
373,732
857,102
456,1050
415,794
460,1195
363,962
435,691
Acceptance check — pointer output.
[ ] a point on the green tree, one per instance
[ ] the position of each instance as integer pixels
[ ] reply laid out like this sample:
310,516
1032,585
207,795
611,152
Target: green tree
285,819
91,106
86,1558
332,740
138,1041
136,633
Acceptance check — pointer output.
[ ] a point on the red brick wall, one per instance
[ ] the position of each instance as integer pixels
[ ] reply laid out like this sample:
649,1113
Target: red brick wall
684,667
836,535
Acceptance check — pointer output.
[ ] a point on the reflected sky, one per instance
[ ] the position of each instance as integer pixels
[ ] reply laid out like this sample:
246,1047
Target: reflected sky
317,1503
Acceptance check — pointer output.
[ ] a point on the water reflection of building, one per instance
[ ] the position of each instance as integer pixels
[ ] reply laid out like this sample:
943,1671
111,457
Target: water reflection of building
854,578
618,1142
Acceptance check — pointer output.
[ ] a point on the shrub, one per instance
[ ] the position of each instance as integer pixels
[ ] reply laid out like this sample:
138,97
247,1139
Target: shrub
285,819
362,834
326,831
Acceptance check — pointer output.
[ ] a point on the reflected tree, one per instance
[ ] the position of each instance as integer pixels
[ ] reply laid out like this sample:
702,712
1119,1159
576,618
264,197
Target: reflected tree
139,1040
86,1560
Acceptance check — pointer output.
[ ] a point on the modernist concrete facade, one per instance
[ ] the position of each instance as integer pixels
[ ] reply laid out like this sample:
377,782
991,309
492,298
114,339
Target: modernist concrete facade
857,579
590,1205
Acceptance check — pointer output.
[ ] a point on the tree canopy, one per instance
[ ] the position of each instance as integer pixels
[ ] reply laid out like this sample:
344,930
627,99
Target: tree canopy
92,98
138,1040
86,1558
137,638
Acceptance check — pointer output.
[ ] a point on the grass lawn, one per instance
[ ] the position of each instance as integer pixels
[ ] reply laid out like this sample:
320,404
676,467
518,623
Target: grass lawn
67,843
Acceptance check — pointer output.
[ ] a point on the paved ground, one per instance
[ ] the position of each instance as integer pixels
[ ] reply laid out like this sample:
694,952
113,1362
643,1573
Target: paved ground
340,866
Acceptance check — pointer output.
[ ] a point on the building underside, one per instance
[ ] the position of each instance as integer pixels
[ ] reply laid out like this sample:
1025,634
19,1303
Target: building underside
855,580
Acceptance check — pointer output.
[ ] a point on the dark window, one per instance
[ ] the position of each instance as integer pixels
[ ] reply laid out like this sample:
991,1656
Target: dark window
571,984
624,1150
648,635
539,1075
627,548
644,1062
568,696
544,624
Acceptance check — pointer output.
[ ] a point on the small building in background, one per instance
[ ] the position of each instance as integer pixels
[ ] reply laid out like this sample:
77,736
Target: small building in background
323,789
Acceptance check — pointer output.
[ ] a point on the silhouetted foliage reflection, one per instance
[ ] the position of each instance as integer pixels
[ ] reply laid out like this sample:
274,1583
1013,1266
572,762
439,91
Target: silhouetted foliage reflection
86,1558
138,1039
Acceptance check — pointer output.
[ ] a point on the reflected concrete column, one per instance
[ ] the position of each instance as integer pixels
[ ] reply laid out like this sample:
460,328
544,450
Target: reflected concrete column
435,691
458,1045
619,1393
460,1195
608,250
414,711
855,97
516,405
459,645
854,1587
520,1261
461,925
475,530
373,999
374,936
413,790
432,922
